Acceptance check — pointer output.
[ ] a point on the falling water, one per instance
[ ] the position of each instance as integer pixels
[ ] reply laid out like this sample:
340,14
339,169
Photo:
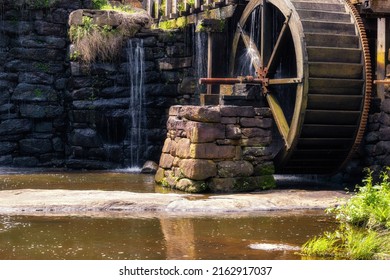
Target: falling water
201,57
250,55
136,71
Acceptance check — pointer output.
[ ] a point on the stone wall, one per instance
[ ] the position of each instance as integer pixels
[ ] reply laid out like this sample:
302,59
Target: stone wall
377,140
57,112
99,99
33,81
217,148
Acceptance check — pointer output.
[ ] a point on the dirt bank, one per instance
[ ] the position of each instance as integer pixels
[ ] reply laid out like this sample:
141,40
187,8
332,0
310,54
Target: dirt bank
73,202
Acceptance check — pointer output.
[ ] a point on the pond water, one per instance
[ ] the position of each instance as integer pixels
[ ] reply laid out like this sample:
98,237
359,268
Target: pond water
271,235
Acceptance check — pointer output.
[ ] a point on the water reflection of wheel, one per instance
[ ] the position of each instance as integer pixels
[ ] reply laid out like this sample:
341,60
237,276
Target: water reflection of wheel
314,60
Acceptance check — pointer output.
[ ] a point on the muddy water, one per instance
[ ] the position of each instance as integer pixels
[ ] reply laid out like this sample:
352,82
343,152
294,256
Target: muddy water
275,236
119,180
272,235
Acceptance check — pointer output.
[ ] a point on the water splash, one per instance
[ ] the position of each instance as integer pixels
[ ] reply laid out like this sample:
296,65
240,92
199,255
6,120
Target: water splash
136,72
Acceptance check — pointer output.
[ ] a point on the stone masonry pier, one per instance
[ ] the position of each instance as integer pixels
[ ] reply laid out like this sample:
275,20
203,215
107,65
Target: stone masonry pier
217,148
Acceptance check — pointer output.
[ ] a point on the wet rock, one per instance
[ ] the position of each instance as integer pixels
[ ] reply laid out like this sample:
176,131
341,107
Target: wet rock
7,147
160,175
150,167
85,137
35,146
89,164
187,86
5,160
15,126
240,168
198,169
174,63
25,161
30,92
191,186
36,78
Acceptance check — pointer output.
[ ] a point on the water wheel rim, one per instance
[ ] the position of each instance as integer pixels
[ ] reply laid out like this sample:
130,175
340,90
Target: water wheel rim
298,126
301,62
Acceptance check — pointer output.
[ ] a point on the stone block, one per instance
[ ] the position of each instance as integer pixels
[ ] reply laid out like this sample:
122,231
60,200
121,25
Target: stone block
166,161
255,132
212,151
149,167
255,151
240,168
385,106
208,114
198,169
237,111
85,137
15,126
187,86
29,92
6,160
256,122
242,184
233,132
174,63
263,111
26,161
160,174
36,78
7,147
183,148
167,146
191,186
266,168
35,146
256,141
174,110
384,134
199,132
175,123
229,120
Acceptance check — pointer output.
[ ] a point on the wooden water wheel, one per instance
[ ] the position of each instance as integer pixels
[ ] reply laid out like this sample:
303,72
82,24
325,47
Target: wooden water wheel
312,60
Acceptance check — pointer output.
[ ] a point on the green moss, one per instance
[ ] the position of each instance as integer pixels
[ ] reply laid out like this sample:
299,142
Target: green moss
264,169
181,22
167,25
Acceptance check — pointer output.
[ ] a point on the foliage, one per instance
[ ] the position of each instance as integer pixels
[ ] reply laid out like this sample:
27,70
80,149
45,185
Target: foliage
364,231
97,4
370,207
349,243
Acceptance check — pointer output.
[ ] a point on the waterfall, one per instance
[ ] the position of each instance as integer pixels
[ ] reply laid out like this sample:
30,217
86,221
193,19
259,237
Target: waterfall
249,55
201,58
136,70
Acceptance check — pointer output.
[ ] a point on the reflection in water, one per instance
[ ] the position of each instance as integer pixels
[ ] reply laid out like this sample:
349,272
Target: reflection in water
108,181
166,237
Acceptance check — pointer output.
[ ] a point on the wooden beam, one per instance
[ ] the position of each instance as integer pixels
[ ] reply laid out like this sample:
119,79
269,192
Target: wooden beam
381,57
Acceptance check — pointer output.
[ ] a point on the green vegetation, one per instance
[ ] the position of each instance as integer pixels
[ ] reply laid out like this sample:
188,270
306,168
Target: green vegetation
92,41
364,231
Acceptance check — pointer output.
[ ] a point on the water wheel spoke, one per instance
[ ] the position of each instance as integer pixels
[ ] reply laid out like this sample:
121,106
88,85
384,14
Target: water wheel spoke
285,81
279,117
271,66
266,32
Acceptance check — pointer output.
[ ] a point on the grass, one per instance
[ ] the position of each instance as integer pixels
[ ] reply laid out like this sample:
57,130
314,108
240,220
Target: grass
364,230
93,42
